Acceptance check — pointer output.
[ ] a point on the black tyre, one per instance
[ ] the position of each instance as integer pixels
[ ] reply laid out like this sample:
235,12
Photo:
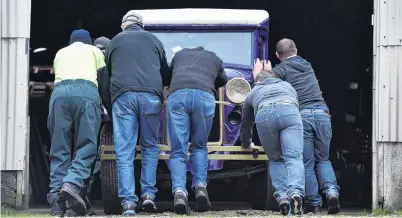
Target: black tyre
110,200
261,191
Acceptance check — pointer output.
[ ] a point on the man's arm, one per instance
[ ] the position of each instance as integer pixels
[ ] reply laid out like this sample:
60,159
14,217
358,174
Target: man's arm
165,72
247,123
103,81
108,55
279,70
221,79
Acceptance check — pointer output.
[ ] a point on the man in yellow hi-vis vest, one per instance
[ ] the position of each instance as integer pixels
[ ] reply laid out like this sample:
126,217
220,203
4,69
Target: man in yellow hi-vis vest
74,117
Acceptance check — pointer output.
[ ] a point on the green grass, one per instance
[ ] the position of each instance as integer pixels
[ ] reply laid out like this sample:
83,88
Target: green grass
381,212
9,212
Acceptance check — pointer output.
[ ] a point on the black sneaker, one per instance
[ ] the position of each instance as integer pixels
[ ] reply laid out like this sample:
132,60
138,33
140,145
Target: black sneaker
315,210
296,203
202,201
148,204
71,193
333,204
284,207
58,208
90,210
181,203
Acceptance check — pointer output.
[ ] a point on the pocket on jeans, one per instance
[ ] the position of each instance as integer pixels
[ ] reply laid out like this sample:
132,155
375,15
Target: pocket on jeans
208,105
286,110
262,116
175,103
151,104
325,127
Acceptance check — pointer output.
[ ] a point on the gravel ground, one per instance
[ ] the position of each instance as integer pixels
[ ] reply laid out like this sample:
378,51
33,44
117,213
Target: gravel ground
44,212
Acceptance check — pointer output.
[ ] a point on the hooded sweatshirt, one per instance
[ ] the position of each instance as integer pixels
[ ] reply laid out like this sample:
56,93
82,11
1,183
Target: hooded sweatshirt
299,73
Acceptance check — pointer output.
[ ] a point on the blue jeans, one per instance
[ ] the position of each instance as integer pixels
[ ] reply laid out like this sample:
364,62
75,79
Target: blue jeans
74,104
134,111
317,140
280,131
190,111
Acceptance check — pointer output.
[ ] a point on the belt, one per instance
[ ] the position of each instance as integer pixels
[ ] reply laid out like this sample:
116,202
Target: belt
316,110
285,102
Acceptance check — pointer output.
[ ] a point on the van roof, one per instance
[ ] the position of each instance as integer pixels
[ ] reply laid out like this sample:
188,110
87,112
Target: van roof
191,16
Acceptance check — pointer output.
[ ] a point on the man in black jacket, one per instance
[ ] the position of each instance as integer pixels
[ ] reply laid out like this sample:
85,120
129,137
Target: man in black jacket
104,76
317,127
104,91
137,64
191,102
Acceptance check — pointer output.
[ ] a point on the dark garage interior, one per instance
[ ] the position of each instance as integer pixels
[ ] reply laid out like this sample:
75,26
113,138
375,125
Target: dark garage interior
335,36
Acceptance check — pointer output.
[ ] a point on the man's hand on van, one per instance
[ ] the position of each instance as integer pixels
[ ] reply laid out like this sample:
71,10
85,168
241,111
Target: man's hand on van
267,65
253,147
258,66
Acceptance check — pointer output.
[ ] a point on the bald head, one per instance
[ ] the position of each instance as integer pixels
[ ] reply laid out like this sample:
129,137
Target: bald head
285,49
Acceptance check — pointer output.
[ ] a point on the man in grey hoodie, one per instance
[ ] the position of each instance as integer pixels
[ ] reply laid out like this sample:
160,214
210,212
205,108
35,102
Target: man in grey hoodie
317,127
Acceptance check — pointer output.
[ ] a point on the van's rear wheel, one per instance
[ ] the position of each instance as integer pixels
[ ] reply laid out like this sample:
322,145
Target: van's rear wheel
261,191
110,200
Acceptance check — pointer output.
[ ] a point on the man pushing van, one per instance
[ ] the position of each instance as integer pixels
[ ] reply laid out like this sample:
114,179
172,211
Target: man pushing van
272,104
317,127
74,118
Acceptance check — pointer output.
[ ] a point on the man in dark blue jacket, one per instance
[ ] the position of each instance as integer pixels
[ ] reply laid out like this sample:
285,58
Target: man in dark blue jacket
137,64
317,126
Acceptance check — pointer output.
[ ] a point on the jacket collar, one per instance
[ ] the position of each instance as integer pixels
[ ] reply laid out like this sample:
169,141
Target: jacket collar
294,58
268,81
133,27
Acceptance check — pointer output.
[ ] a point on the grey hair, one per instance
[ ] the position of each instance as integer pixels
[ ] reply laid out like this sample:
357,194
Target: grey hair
261,76
286,48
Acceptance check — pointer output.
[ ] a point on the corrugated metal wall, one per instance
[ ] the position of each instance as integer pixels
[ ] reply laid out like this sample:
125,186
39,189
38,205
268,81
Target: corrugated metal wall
14,53
388,70
387,117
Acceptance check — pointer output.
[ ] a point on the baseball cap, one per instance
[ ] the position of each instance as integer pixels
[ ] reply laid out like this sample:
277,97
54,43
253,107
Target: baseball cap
101,43
80,35
133,17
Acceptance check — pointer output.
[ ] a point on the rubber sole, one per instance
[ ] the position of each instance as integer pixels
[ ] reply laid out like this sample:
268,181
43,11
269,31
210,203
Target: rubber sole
129,213
77,204
284,208
202,204
333,205
296,203
149,207
181,209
